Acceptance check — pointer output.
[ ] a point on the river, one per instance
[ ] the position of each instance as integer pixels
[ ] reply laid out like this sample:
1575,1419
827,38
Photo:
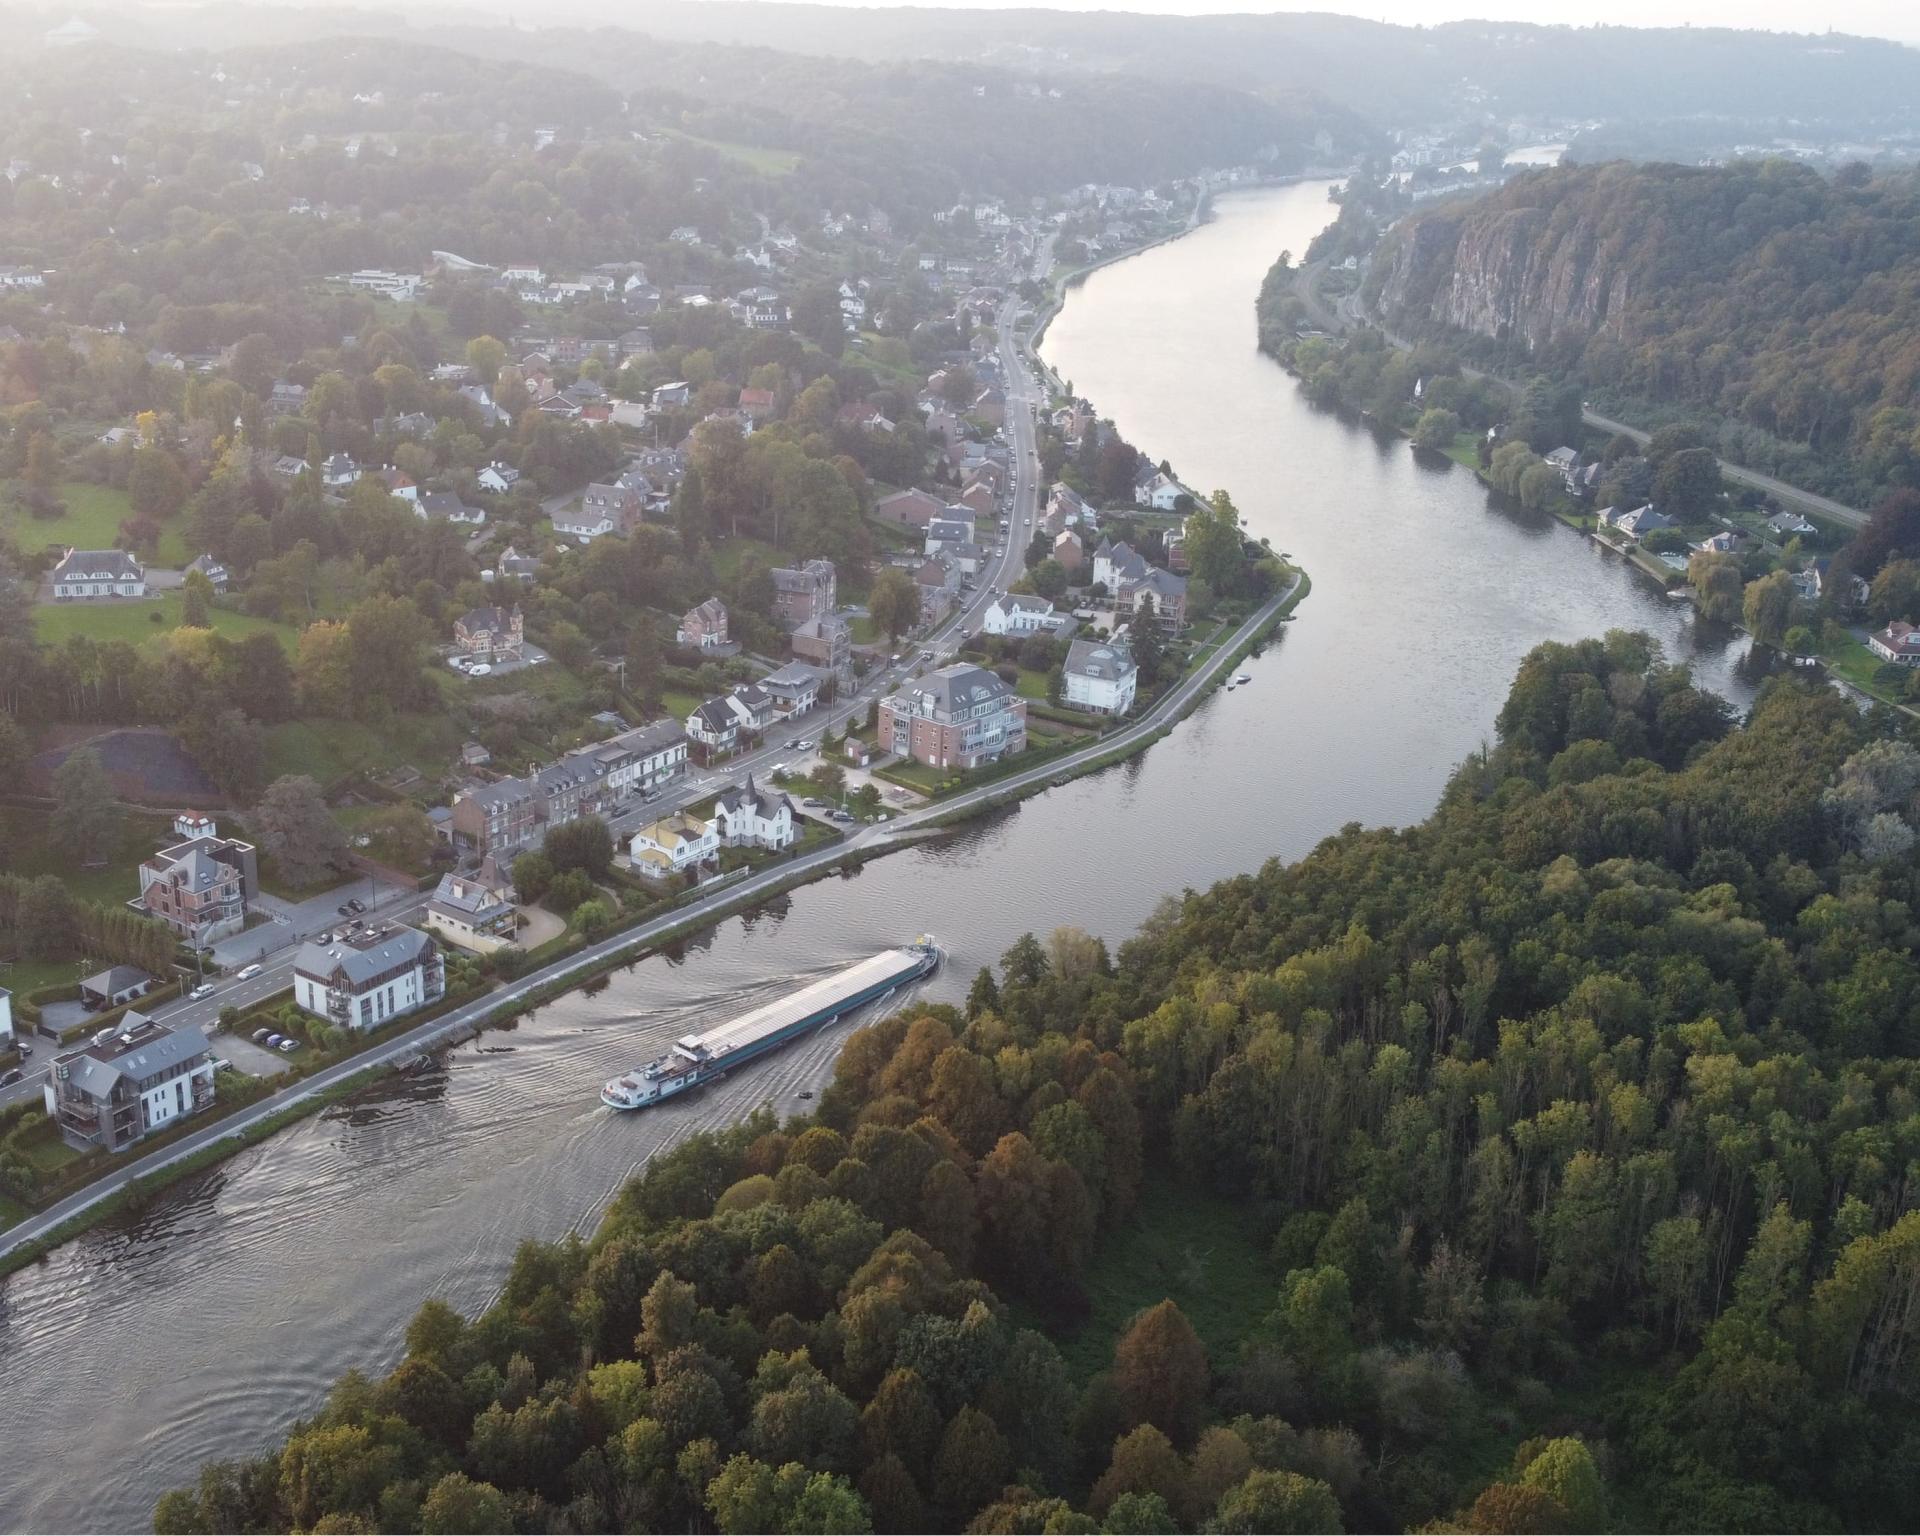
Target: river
205,1324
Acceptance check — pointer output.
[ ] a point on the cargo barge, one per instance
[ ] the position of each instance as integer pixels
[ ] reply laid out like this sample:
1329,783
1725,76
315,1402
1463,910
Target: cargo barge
699,1059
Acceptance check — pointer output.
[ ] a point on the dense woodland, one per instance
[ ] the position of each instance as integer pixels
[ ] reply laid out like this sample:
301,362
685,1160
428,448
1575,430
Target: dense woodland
1579,1123
1777,303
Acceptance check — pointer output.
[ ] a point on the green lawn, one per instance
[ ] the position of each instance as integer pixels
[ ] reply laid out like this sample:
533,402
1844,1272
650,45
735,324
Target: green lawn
863,630
728,554
328,750
115,881
92,521
1854,663
23,976
1032,685
135,622
677,705
768,162
1184,1244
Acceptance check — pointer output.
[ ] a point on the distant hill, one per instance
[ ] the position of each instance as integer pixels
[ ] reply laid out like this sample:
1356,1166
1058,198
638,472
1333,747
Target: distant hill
1782,304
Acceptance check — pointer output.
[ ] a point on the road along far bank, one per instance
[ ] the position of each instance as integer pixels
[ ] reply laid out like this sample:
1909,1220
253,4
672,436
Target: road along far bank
140,1177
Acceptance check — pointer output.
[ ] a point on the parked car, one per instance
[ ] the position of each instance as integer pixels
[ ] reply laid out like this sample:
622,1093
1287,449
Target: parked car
482,670
274,1038
288,1047
221,1064
356,905
260,1036
813,802
23,1048
246,973
327,937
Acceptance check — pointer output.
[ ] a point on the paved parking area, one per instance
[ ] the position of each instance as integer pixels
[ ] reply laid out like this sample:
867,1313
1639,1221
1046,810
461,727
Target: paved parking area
254,1060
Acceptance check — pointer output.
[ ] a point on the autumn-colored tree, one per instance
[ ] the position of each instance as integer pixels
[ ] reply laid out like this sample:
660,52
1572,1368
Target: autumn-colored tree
1160,1372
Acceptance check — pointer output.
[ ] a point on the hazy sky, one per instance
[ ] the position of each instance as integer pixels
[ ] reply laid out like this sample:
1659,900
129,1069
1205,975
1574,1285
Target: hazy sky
1871,18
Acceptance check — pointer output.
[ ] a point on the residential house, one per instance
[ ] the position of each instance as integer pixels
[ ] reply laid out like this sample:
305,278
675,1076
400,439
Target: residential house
446,506
582,523
498,478
807,592
214,570
1069,551
1791,525
673,845
1021,613
492,632
199,885
714,728
1898,643
619,506
1160,491
935,581
945,531
757,403
131,1080
1100,676
958,717
115,985
1565,462
1637,524
752,706
490,413
286,398
497,818
474,754
338,471
574,787
752,817
287,467
794,689
1115,565
637,342
1166,592
677,393
703,627
638,761
477,911
87,573
826,643
364,980
910,509
978,499
1726,542
400,485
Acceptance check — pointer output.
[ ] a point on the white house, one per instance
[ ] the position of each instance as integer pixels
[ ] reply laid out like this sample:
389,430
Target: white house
752,817
1100,676
438,506
1021,613
1161,492
673,845
338,470
498,478
714,727
364,980
794,689
134,1078
98,573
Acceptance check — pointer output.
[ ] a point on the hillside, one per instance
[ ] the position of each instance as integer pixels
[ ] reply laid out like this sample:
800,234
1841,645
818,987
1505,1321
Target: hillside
1546,1166
1782,305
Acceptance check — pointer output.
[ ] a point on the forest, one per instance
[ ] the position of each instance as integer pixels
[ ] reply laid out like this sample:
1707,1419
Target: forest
1776,304
1575,1129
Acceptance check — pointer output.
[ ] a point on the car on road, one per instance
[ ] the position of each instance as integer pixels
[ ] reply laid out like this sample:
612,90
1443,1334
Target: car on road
344,910
10,1078
355,904
246,973
806,743
840,815
205,989
793,741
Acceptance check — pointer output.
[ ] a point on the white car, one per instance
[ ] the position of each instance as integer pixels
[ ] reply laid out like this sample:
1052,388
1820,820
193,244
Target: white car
246,973
481,670
205,989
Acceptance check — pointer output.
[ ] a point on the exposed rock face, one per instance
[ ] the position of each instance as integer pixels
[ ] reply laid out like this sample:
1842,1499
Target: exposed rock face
1529,273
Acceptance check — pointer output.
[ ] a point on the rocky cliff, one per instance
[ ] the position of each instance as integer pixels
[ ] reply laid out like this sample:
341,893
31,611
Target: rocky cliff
1525,264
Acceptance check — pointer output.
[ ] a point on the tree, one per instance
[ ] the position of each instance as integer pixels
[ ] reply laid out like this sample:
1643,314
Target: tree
1278,1502
1895,593
1048,578
196,601
298,832
156,485
1687,484
1563,1469
584,844
1160,1372
1767,606
894,602
458,1504
972,1463
86,817
1436,429
485,354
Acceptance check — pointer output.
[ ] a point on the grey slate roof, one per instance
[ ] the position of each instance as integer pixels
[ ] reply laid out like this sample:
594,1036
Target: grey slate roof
96,1068
362,963
1101,660
97,564
115,978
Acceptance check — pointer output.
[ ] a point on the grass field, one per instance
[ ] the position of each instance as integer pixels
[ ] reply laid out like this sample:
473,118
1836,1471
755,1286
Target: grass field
92,521
768,162
134,621
28,854
30,975
1185,1245
327,750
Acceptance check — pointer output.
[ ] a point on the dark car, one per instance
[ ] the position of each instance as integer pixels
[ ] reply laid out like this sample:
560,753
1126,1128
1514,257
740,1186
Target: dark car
356,905
346,909
12,1077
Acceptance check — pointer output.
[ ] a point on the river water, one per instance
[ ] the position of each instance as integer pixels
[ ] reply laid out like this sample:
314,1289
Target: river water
205,1324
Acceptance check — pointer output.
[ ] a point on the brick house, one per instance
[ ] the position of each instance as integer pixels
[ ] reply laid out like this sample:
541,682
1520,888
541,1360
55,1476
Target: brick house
806,592
492,631
958,717
704,627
